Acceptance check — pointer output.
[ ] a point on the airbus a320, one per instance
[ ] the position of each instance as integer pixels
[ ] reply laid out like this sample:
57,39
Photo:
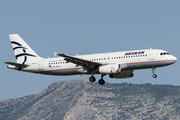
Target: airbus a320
115,64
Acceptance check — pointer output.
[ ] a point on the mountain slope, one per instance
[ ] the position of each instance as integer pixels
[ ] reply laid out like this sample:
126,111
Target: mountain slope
83,100
51,103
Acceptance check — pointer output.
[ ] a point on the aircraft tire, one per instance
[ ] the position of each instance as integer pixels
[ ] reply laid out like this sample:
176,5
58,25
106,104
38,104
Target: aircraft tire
154,76
101,82
92,79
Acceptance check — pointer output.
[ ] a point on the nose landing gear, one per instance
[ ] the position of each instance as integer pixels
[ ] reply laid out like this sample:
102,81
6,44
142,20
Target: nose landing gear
154,75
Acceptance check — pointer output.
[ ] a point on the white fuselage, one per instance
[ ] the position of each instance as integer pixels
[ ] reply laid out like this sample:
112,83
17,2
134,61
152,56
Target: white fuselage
128,60
115,64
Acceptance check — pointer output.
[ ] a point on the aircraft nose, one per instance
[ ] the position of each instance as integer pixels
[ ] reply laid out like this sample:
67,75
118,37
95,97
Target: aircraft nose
174,59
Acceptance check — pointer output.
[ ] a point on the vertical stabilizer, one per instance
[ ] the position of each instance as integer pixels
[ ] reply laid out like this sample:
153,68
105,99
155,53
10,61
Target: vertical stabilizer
23,53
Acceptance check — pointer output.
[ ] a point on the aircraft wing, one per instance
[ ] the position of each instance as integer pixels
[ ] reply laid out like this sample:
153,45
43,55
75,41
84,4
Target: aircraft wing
16,64
79,61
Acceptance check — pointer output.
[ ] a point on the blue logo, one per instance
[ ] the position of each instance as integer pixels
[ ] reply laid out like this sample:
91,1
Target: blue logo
135,53
50,66
25,54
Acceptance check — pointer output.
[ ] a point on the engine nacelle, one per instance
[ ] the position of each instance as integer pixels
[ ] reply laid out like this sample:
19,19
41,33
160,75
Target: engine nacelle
123,74
110,69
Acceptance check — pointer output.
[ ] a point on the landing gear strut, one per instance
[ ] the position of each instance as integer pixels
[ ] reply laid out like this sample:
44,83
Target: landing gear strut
92,78
101,81
154,75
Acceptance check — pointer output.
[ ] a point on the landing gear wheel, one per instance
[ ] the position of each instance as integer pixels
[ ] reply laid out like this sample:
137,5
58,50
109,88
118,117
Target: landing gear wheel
101,82
92,79
154,76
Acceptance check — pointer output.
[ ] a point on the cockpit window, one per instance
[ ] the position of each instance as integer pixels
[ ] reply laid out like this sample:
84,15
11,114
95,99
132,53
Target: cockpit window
164,53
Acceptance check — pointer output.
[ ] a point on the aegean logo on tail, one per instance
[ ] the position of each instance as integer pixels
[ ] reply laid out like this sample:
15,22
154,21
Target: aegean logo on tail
22,54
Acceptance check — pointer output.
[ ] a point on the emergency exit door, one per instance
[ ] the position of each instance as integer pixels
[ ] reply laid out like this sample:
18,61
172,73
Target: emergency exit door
151,54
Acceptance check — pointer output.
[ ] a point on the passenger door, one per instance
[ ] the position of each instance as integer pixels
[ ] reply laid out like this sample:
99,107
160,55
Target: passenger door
151,54
40,65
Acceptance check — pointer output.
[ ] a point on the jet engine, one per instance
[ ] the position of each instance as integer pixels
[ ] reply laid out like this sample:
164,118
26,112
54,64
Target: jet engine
110,69
123,74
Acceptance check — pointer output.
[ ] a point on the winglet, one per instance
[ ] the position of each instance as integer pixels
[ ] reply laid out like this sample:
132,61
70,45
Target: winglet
55,53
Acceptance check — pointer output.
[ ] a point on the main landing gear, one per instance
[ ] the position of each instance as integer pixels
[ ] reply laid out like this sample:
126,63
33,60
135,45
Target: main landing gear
154,75
101,81
92,79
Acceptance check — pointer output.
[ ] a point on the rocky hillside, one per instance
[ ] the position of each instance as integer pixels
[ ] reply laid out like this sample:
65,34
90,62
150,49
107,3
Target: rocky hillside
90,101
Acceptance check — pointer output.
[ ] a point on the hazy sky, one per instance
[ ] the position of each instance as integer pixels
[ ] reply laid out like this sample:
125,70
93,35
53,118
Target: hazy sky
86,27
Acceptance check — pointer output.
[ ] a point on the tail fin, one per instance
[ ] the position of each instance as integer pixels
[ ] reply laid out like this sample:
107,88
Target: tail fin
23,53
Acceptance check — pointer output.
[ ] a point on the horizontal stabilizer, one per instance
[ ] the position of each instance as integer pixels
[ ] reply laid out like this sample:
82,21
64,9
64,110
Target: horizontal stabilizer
16,64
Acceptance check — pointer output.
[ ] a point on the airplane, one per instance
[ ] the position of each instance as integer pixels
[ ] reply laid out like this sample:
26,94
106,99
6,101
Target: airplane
115,64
